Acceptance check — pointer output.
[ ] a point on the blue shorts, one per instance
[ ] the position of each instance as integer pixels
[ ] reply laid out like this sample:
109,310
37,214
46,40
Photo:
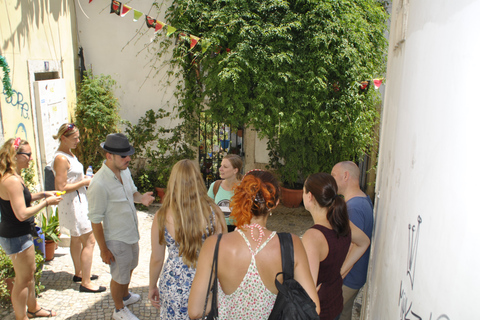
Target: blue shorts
17,244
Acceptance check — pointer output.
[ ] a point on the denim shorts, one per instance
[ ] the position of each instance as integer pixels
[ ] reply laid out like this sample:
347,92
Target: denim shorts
17,244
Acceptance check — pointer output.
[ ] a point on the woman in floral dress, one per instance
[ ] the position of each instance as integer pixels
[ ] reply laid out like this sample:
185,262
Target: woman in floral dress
188,215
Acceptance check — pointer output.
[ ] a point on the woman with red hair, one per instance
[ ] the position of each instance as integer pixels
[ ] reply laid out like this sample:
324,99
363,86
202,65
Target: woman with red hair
250,258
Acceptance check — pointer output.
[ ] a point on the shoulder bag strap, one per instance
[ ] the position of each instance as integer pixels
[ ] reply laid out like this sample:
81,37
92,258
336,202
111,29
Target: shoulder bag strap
212,286
288,258
216,186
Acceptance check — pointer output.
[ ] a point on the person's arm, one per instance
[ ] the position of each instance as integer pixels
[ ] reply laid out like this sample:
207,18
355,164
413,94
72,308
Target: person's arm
302,272
146,199
14,187
198,292
156,264
61,166
360,243
105,253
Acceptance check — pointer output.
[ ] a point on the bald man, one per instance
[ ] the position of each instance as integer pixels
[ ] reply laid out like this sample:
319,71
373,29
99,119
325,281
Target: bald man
360,212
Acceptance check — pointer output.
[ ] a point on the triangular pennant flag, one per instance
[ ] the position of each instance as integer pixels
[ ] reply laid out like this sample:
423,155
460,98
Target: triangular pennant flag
364,85
125,10
89,1
170,30
136,15
151,23
377,83
115,7
159,26
193,41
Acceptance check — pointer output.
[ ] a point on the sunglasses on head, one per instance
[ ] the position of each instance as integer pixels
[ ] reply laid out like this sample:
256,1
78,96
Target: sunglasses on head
70,126
28,154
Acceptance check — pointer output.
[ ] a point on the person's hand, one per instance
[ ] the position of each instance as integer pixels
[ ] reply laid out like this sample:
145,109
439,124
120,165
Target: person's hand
147,198
86,180
53,200
154,297
107,256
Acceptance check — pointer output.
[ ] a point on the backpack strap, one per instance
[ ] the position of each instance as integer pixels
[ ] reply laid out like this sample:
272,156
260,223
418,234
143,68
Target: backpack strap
288,258
216,186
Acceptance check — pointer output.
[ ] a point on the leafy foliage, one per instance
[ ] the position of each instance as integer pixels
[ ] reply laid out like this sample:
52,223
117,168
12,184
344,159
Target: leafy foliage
51,225
289,68
157,149
96,116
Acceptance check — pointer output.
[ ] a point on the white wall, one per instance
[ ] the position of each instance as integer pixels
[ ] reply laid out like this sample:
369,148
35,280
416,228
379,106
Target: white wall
428,167
118,46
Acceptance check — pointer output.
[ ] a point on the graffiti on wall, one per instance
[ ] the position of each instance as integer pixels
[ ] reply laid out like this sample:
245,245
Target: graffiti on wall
407,307
16,100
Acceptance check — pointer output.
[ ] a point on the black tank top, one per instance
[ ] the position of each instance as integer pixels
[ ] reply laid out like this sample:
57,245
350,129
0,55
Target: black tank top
10,226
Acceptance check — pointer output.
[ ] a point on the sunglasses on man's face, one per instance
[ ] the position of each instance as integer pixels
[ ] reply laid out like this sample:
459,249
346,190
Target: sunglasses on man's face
28,154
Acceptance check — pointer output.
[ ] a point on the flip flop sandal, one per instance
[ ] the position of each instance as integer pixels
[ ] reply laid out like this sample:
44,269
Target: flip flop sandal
32,315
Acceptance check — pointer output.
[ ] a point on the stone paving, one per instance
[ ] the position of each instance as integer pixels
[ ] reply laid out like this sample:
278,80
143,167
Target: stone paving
61,293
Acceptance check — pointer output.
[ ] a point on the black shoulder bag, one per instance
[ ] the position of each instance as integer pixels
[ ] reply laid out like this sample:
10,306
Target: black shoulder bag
293,302
213,314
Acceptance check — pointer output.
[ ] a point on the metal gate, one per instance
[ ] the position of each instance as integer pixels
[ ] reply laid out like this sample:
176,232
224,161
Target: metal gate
216,140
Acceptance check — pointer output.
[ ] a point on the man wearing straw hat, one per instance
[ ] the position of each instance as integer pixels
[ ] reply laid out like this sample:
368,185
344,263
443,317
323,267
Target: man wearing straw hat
111,197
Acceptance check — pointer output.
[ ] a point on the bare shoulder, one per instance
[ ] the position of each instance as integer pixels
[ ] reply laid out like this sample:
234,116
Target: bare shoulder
313,237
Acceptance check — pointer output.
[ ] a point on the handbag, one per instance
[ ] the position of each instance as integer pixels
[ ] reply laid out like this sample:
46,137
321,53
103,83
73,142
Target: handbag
212,286
293,302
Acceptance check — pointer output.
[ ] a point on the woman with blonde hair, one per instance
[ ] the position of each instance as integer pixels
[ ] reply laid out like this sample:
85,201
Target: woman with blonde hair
250,258
187,217
72,212
17,226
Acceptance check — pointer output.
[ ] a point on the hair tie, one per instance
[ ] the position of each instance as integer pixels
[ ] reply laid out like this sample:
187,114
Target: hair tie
16,143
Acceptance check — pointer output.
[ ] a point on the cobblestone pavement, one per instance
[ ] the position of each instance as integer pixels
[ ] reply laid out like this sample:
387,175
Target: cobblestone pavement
61,293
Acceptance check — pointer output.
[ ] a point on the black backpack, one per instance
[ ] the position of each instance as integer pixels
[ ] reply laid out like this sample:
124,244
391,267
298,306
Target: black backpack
293,302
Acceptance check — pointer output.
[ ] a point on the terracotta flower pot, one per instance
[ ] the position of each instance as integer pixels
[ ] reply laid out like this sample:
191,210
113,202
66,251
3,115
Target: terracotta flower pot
160,193
50,247
292,198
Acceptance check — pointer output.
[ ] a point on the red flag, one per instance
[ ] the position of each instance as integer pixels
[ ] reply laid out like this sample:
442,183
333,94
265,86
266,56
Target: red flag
159,25
125,10
377,83
151,23
115,7
90,1
193,41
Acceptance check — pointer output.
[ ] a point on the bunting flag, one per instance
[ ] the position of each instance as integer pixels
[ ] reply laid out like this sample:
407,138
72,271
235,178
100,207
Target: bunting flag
377,83
159,25
151,23
136,15
364,86
125,10
170,30
89,1
193,41
115,7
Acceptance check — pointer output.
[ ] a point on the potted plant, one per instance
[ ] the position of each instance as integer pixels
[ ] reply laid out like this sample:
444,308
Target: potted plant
51,231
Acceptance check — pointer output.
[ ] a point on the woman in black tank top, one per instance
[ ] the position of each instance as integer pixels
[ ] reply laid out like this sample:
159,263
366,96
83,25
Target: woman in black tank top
17,225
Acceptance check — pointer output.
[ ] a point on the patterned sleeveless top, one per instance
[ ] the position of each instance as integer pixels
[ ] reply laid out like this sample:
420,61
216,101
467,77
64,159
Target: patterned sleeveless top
251,300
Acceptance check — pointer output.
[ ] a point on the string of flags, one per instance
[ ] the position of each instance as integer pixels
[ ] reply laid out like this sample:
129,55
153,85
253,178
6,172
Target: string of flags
122,10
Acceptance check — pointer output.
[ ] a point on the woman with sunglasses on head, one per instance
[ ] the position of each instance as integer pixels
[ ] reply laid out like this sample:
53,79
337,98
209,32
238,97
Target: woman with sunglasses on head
333,244
248,258
17,226
73,210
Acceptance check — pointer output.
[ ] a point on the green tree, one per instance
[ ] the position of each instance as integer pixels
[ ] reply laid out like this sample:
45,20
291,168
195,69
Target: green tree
96,116
289,68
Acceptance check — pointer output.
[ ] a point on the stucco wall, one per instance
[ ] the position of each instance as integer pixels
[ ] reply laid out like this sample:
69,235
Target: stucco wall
32,33
424,257
122,48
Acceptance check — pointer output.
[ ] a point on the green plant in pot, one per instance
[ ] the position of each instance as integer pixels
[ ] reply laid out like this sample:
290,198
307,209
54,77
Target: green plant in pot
51,230
7,272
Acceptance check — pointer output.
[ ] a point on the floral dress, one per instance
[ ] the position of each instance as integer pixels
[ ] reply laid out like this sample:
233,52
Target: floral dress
176,279
251,300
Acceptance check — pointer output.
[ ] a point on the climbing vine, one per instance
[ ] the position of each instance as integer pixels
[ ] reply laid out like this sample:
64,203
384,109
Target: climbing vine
7,85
